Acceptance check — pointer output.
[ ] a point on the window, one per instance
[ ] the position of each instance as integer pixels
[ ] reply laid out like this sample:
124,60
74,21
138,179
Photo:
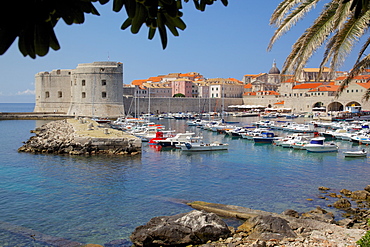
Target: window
104,94
83,83
83,95
103,82
60,94
47,94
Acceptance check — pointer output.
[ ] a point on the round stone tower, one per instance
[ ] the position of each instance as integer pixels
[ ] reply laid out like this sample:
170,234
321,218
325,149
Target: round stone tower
97,90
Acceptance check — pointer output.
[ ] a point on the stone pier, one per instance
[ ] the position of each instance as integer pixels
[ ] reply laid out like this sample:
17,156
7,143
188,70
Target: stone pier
81,137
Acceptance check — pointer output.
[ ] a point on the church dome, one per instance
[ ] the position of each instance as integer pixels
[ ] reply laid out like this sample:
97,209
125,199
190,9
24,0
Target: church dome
274,69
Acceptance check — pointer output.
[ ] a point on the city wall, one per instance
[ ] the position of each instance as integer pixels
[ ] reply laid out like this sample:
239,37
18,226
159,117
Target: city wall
305,104
160,105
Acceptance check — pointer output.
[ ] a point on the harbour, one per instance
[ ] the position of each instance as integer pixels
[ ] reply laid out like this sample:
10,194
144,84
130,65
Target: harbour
99,199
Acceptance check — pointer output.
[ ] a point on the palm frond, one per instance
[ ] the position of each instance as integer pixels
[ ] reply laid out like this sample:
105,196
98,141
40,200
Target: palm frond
346,37
312,39
357,69
363,49
282,11
285,21
341,15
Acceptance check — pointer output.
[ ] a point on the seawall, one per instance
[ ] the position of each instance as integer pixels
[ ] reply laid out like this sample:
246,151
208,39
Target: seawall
33,116
81,137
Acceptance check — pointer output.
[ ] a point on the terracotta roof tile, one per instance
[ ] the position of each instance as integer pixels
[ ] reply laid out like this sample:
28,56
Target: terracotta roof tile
138,82
325,88
307,85
250,93
365,85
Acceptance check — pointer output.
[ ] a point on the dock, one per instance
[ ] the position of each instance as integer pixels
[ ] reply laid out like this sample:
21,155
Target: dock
33,116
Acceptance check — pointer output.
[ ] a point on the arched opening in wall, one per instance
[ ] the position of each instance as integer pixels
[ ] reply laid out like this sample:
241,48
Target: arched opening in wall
335,106
319,106
47,94
353,107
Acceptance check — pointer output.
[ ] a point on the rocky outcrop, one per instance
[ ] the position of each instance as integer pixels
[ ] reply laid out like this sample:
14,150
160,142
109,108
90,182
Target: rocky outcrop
287,229
266,227
342,203
77,137
195,227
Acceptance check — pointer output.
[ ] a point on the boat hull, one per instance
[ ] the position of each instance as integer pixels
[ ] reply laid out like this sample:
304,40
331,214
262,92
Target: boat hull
203,147
354,154
321,148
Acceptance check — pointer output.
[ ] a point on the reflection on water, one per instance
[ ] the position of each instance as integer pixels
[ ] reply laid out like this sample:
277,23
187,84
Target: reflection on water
97,199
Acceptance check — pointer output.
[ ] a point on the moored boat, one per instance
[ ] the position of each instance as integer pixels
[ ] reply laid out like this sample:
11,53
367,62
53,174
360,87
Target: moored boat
265,137
357,153
200,146
318,145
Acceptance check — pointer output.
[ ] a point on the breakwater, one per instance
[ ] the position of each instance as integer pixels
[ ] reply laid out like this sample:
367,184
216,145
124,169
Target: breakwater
80,136
33,116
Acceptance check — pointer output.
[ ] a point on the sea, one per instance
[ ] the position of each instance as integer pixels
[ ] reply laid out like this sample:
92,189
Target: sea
102,199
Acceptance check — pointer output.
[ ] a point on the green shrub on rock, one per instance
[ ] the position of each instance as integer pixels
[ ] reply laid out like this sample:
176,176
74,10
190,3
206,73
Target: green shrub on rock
365,240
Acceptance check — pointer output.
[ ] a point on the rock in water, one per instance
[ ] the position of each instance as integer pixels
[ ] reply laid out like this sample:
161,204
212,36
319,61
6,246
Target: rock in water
195,227
342,203
266,227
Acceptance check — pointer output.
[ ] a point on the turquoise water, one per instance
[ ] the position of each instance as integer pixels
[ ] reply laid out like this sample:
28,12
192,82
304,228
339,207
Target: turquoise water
101,199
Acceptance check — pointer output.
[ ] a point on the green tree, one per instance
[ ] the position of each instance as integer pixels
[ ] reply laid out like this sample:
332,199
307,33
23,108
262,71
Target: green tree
339,26
179,95
33,21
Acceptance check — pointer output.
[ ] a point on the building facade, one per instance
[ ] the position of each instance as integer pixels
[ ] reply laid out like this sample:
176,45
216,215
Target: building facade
92,89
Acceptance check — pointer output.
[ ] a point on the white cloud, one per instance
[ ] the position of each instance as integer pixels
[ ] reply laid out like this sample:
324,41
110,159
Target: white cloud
26,92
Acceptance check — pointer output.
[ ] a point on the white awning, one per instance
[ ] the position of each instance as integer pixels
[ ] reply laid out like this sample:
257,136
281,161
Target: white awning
246,106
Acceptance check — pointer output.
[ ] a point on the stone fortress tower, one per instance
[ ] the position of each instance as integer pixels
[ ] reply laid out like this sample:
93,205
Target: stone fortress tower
92,90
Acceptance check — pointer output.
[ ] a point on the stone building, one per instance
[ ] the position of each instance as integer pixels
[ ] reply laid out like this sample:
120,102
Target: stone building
92,89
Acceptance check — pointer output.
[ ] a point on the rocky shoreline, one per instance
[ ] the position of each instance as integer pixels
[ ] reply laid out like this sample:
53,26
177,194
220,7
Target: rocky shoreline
260,228
80,137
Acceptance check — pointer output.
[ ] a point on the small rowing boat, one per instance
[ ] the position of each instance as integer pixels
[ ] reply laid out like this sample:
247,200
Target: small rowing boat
359,153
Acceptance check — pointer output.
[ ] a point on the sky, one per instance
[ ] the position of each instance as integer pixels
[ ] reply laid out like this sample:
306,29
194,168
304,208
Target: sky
222,42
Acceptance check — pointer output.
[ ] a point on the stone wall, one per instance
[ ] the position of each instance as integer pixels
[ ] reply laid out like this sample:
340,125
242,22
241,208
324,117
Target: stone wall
92,89
53,91
159,105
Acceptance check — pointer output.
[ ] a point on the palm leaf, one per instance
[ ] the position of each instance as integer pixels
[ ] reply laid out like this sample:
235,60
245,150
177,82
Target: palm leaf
285,23
310,41
357,69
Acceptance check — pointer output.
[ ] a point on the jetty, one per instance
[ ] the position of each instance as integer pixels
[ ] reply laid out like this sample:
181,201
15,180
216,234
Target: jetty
80,136
33,116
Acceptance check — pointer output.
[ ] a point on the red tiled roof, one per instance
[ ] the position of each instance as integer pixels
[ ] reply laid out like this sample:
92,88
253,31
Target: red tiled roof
249,85
155,78
138,82
280,103
325,88
365,85
250,93
307,85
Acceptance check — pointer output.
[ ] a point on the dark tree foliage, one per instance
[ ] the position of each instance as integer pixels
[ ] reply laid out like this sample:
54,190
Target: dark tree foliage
179,95
33,21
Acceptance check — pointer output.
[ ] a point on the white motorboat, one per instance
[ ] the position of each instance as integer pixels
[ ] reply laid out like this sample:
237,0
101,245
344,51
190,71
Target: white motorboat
177,139
200,146
317,145
357,153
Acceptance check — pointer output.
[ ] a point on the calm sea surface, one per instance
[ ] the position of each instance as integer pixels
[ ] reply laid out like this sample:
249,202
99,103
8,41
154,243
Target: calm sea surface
101,199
